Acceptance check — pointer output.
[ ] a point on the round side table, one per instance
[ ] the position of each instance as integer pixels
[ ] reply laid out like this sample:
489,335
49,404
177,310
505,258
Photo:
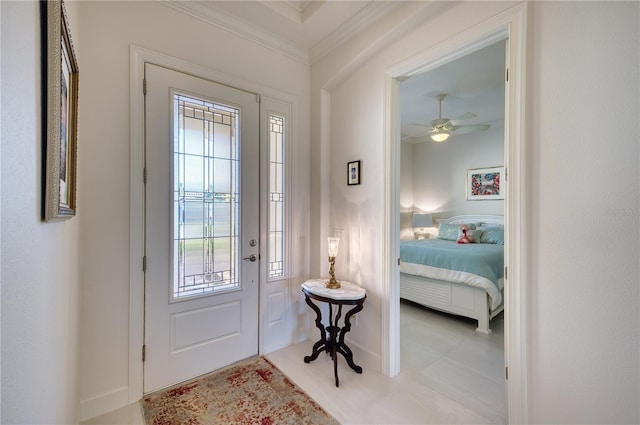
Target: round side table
332,337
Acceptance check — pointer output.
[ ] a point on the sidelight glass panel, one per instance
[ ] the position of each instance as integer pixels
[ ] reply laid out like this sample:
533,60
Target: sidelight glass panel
276,197
206,199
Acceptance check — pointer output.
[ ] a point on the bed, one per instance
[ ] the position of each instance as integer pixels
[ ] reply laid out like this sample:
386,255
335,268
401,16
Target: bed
461,279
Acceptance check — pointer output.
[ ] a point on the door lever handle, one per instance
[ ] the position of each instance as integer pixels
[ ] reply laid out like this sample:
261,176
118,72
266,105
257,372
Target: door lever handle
251,258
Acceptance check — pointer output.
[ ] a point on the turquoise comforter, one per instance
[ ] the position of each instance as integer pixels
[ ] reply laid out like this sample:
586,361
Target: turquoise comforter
472,264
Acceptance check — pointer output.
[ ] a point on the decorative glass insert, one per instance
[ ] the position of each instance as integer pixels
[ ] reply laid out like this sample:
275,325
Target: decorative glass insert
206,202
276,197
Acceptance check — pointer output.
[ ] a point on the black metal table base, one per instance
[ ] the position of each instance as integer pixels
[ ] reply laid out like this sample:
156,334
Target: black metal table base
332,337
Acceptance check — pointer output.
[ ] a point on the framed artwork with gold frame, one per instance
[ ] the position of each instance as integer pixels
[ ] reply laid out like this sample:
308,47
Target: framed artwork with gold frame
61,116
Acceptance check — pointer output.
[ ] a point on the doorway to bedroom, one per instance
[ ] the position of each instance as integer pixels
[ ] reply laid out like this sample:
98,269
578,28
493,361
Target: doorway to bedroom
452,125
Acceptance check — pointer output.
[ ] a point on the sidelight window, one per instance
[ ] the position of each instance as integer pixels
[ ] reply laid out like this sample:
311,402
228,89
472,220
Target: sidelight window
276,252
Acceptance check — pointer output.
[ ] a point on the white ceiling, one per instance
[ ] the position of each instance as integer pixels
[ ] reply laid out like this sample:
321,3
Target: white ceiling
306,30
474,83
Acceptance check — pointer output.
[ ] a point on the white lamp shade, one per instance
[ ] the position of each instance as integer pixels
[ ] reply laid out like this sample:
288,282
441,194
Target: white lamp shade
334,245
422,220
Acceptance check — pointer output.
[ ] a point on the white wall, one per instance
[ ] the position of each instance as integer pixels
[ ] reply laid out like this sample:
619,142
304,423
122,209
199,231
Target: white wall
433,176
40,282
406,191
583,345
108,29
357,209
582,312
440,171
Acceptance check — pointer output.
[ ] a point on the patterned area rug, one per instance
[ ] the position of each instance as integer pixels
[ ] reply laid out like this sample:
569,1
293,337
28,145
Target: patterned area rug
251,392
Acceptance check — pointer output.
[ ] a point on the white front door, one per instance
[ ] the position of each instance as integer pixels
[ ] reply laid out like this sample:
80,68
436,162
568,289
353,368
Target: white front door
202,226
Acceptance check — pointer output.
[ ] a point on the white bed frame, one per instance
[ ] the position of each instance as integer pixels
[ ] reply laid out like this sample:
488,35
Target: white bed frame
454,298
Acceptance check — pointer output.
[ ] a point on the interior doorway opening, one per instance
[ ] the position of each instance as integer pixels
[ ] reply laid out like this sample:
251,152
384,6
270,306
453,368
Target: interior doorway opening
510,26
452,122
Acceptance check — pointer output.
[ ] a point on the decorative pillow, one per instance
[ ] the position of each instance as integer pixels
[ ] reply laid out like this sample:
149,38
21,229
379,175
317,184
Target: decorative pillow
466,235
451,232
473,236
448,232
484,227
493,235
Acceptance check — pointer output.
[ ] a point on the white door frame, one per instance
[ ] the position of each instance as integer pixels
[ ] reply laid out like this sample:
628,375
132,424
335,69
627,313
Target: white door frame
510,24
273,99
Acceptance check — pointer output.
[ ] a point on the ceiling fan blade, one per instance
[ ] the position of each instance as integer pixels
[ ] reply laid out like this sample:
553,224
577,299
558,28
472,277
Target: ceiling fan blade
466,116
440,122
419,125
462,129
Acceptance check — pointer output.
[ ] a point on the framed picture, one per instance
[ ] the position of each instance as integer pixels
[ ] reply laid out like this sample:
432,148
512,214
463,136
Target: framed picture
61,116
353,172
485,184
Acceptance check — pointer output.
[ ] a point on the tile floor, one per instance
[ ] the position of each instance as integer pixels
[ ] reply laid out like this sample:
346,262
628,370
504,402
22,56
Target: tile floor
450,374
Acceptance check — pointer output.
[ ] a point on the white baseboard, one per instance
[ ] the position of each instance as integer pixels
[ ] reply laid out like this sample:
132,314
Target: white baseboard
104,403
365,358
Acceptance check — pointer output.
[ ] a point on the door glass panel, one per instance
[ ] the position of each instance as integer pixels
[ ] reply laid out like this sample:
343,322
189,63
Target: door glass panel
206,201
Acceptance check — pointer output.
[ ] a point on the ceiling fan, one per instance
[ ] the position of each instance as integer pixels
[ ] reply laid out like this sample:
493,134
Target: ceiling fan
442,128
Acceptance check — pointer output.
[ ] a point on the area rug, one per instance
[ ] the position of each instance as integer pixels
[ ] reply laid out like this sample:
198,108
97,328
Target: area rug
251,392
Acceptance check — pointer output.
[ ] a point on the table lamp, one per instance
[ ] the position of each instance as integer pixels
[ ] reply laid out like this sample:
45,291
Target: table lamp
421,220
334,245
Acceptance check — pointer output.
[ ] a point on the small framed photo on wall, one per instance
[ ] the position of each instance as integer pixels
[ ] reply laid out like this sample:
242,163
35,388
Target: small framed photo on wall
353,173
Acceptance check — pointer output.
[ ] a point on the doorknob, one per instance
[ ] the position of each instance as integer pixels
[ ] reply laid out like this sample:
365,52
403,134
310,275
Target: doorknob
251,258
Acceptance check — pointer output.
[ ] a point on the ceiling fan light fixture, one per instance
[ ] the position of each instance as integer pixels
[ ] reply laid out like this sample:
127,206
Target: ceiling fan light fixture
440,136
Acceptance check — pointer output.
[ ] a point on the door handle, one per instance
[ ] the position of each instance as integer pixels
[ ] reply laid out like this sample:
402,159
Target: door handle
251,258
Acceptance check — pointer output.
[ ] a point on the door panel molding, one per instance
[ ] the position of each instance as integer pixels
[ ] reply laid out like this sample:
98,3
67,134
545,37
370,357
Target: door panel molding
182,321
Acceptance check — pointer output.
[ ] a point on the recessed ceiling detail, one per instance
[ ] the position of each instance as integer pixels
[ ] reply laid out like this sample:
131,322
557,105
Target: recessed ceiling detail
296,11
303,30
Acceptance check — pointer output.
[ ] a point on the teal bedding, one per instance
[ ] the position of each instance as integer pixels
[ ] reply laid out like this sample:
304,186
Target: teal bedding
476,264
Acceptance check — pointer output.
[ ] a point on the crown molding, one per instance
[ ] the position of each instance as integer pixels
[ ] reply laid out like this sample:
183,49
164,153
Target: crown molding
216,16
220,18
296,11
289,10
365,17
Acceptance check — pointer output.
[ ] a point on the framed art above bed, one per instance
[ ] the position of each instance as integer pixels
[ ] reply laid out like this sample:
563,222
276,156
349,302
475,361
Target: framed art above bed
484,184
